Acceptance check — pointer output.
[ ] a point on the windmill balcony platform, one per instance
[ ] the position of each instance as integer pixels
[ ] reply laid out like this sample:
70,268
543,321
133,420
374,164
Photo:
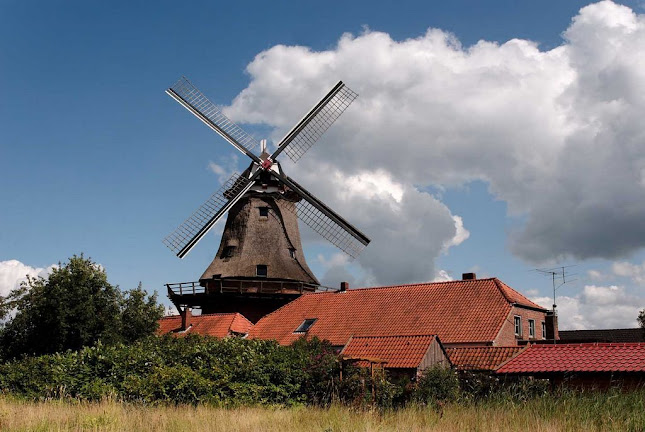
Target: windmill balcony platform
253,298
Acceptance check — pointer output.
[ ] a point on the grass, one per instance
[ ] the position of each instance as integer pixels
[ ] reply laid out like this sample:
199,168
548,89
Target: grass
586,412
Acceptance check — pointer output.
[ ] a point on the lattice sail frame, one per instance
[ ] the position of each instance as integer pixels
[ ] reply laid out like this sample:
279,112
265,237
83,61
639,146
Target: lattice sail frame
201,103
317,126
202,220
326,227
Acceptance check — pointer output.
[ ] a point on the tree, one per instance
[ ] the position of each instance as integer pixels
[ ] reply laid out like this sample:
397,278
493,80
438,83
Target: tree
641,319
139,315
74,307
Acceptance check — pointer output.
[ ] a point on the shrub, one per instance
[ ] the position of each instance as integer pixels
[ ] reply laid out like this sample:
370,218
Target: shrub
436,384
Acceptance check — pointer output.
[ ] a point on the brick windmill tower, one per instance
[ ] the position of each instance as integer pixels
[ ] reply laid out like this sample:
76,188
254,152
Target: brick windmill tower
259,265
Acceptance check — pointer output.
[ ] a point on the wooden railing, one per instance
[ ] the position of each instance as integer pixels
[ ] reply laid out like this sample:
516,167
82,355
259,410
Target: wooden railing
260,286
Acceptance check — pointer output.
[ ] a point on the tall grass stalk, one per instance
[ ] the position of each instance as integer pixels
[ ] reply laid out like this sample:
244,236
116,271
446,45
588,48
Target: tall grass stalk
612,411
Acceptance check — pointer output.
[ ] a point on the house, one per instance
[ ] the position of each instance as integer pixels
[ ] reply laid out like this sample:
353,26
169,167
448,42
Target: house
400,355
218,325
481,359
462,313
593,365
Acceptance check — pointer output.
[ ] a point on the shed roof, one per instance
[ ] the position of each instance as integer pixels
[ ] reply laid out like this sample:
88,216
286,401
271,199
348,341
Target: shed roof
218,325
457,311
481,358
396,351
596,357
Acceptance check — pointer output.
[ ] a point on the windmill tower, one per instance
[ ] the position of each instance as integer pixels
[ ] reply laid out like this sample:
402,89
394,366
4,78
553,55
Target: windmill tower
259,265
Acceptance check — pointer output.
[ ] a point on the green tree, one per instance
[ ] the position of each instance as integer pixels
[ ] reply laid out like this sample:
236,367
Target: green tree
74,307
140,314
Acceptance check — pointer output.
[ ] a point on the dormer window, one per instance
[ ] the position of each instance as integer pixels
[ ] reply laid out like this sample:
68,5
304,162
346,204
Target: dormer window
264,211
518,325
305,326
261,270
532,329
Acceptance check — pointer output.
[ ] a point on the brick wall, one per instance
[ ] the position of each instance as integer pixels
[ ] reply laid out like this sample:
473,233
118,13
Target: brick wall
506,336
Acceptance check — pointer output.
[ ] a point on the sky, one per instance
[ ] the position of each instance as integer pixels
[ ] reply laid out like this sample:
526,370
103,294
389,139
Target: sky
491,137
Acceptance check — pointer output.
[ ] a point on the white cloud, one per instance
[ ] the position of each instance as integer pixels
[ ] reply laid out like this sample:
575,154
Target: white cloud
633,271
557,134
597,307
13,272
442,276
408,228
225,169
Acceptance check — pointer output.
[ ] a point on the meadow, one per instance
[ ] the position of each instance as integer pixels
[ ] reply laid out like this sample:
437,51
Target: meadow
613,411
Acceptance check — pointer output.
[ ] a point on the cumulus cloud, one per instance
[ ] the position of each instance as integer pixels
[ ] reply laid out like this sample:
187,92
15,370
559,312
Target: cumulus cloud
557,134
13,272
597,307
408,228
633,271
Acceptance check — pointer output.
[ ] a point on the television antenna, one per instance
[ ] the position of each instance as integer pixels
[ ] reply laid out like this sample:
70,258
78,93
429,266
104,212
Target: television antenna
559,276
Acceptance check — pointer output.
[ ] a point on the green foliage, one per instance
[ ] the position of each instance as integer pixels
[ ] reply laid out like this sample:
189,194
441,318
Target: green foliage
436,384
192,369
74,307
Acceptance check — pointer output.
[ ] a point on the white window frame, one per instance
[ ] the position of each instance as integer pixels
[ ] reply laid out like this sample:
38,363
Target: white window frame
517,325
543,330
531,329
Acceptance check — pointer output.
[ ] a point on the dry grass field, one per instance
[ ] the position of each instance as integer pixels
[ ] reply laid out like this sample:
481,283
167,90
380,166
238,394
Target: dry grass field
617,412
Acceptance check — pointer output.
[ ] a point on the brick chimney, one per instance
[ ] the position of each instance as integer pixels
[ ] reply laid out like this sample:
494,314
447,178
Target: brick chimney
551,324
186,318
344,286
468,276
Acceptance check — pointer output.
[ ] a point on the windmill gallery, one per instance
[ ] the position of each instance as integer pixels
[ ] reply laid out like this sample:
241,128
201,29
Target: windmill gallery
260,286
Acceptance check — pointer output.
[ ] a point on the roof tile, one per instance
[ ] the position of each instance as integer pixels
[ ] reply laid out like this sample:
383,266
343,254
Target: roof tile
456,311
596,357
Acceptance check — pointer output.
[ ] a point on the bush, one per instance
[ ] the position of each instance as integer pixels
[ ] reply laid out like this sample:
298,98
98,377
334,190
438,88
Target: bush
436,384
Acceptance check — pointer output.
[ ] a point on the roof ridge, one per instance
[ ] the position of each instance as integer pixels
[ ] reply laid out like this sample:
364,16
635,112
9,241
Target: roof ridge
402,286
393,336
591,344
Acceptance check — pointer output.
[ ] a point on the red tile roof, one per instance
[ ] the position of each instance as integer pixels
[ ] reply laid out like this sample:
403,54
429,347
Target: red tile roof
457,311
397,351
481,358
218,325
602,357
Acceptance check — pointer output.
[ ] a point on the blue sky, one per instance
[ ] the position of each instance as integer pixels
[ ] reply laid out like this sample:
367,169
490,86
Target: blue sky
95,158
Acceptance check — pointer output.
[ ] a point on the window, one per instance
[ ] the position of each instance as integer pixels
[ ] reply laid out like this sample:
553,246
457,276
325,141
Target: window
261,270
543,330
264,211
228,251
532,329
292,253
305,326
518,326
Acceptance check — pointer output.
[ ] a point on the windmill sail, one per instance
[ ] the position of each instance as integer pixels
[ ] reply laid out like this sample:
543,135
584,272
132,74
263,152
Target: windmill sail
184,92
305,134
326,222
188,234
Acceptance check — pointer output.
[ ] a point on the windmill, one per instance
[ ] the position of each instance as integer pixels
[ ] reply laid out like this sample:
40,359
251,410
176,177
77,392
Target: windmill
260,251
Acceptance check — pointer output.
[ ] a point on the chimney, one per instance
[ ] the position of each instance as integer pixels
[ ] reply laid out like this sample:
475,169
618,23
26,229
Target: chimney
186,316
551,324
468,276
344,286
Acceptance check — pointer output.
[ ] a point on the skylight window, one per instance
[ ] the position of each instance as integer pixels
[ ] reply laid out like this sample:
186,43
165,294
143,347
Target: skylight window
264,211
306,325
261,270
